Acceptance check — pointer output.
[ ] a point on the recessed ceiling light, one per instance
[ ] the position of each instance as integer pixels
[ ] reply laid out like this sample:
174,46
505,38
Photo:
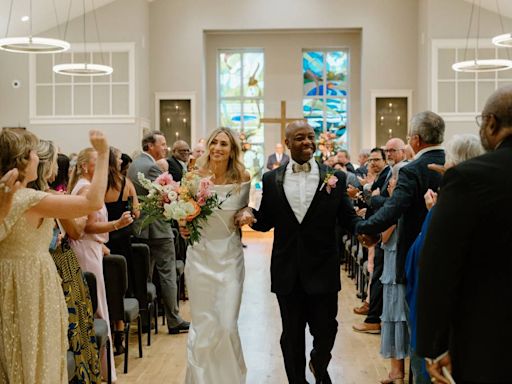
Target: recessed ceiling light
25,18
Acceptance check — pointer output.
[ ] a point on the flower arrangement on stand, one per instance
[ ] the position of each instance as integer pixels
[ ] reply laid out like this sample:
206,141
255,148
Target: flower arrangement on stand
189,202
326,146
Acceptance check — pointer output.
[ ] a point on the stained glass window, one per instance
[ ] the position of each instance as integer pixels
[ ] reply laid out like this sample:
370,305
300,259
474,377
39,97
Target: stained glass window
241,84
325,92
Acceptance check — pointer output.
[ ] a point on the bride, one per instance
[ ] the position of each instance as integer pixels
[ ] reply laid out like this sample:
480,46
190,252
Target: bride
215,270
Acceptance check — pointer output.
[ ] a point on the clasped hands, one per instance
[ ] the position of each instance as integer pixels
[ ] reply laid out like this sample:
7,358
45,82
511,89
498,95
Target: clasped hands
368,240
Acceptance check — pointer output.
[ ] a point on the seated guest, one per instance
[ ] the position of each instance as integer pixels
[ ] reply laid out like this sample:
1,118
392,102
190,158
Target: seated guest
278,158
28,277
460,148
82,339
466,259
178,161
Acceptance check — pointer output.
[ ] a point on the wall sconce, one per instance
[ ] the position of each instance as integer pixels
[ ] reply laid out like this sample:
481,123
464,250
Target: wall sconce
382,120
398,120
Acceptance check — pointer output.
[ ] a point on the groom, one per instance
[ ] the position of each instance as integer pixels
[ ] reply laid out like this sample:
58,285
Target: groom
305,271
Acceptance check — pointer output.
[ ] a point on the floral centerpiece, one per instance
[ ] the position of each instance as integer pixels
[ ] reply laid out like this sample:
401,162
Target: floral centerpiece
189,202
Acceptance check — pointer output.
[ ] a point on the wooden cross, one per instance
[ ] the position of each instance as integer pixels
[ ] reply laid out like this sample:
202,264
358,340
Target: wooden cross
283,120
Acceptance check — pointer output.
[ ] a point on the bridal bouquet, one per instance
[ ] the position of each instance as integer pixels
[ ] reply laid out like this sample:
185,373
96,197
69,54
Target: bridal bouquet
189,202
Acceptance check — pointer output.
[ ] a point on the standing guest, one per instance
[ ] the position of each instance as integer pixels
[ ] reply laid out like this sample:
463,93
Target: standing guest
305,272
470,226
33,343
8,187
198,151
344,158
126,161
163,164
121,200
362,170
409,153
278,158
407,205
81,336
178,161
90,248
460,148
158,235
60,184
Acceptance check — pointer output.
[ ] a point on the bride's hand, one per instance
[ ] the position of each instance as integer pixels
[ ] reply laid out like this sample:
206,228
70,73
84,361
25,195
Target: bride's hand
184,232
244,217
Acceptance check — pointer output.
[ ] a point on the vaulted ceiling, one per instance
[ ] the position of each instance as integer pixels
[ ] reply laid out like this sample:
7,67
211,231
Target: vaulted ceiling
43,14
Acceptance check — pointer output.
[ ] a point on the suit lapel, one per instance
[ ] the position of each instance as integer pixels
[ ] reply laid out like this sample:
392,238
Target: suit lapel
280,172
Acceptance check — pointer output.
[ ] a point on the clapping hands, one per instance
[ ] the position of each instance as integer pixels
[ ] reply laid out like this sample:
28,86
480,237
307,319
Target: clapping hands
430,199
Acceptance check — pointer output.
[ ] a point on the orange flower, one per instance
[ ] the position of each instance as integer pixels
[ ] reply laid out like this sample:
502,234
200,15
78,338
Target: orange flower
196,212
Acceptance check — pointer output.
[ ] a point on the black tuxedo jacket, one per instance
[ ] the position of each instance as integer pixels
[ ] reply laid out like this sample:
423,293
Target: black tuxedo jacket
465,294
407,206
272,159
305,254
381,183
175,168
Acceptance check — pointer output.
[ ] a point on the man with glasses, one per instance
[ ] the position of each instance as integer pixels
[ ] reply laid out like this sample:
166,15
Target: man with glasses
465,264
178,161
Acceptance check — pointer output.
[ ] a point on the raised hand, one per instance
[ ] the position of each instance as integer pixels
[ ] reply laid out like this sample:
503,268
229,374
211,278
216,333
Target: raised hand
376,192
98,141
430,199
8,187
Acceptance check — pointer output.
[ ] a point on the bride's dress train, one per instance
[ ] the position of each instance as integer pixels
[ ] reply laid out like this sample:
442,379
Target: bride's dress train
215,276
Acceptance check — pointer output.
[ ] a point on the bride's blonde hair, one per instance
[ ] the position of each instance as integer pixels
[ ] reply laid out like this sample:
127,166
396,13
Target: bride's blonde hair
236,169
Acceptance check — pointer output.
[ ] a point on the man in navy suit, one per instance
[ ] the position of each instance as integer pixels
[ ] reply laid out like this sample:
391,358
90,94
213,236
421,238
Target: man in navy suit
303,200
278,158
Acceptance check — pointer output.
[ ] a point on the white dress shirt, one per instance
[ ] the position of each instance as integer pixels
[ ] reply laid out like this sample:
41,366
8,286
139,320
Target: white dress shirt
300,188
279,156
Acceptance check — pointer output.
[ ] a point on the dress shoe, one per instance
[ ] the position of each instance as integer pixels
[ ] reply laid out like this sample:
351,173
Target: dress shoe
363,309
182,327
325,380
367,328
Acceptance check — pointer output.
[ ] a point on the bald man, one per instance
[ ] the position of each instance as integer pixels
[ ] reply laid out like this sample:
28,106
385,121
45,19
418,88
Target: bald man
305,268
466,262
178,161
278,158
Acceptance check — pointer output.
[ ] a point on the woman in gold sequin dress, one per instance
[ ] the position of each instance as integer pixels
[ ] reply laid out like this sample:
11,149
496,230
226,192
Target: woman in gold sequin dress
33,312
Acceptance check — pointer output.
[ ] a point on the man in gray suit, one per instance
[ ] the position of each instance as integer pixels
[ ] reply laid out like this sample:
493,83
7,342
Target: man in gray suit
158,235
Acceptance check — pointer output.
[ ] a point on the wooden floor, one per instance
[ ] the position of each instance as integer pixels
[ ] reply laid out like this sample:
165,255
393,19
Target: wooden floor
356,358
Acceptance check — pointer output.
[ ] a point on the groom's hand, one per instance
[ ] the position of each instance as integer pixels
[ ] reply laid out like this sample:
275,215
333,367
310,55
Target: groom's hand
368,240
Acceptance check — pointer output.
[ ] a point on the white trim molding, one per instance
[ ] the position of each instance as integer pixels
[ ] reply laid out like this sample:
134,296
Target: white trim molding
107,49
374,94
178,96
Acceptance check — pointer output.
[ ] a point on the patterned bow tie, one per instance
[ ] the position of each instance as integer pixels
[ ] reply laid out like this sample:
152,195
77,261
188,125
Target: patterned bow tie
296,168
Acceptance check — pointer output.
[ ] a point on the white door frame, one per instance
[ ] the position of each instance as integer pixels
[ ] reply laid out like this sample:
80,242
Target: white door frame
178,96
374,93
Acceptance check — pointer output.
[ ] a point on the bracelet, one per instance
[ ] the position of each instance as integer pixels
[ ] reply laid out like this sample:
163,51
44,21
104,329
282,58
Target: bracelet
115,227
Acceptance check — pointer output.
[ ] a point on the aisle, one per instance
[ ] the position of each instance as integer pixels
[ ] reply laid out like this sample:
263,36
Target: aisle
355,357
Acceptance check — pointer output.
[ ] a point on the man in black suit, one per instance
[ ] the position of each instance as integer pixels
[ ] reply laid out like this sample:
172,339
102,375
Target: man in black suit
407,205
305,270
179,159
466,260
278,158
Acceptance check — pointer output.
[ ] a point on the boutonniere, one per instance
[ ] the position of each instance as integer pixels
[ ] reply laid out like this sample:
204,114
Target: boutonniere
329,182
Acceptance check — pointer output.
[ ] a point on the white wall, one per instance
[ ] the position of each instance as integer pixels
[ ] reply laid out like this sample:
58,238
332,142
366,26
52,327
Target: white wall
120,21
283,73
388,46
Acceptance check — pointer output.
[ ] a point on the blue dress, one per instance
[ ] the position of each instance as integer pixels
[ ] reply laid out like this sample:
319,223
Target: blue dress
394,331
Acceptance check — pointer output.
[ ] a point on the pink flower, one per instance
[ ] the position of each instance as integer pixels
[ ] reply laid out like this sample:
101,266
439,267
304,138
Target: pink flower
164,179
329,182
201,201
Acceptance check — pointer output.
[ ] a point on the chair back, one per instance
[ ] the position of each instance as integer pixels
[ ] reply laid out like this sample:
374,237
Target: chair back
93,290
116,283
140,261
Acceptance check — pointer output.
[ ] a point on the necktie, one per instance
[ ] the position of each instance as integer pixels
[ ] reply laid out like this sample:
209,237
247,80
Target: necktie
296,168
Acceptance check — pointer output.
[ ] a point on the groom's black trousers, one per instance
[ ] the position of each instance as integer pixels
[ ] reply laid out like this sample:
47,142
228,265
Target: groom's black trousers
318,311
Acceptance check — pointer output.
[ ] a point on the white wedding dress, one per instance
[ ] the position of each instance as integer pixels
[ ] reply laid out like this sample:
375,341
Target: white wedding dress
215,276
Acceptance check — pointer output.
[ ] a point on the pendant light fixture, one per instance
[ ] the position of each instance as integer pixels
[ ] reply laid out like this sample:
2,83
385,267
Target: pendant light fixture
84,68
505,39
477,65
30,43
